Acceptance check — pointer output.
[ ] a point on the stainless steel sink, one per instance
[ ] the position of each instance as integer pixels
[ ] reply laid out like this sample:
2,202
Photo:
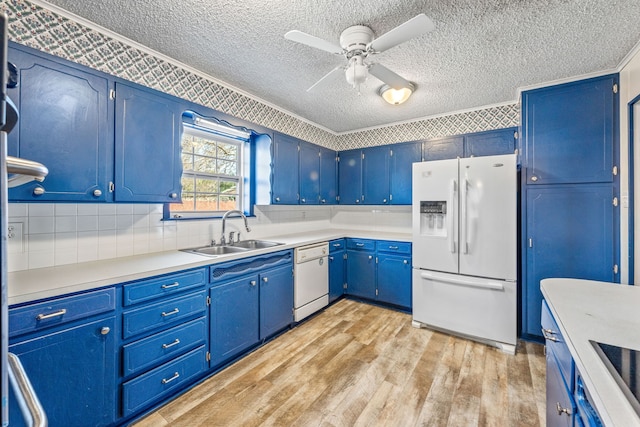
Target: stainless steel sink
216,250
243,246
255,244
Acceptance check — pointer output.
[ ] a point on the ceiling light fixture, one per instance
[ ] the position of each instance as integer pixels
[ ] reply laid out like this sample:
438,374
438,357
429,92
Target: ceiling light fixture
396,96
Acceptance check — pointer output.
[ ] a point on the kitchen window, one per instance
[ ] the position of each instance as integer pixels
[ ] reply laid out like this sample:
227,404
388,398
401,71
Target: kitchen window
212,176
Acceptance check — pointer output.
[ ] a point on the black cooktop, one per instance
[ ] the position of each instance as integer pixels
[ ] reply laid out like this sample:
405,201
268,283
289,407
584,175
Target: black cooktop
624,365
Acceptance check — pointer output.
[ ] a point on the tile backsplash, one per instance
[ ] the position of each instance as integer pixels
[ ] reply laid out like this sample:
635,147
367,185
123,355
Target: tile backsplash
52,234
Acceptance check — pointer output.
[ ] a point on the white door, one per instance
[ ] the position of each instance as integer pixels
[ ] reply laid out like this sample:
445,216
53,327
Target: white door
435,215
488,216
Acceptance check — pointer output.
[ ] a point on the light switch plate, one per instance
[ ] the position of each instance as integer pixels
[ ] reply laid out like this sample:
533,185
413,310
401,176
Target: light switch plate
15,238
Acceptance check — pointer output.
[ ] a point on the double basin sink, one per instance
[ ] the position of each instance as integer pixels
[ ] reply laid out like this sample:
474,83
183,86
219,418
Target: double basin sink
242,246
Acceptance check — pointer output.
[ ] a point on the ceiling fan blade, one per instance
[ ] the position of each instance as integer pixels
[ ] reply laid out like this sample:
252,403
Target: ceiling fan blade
387,76
326,77
414,27
313,41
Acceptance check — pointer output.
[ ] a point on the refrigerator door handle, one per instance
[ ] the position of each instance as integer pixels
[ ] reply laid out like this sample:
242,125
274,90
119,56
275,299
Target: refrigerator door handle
464,228
26,397
451,214
463,282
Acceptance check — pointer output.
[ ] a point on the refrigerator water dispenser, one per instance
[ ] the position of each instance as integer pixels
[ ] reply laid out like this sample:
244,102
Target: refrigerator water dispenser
433,218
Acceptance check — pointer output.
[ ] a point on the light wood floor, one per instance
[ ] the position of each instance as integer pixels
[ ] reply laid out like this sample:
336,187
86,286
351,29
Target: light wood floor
360,365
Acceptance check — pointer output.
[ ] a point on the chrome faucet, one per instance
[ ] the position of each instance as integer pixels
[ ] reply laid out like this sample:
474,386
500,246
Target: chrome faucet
224,219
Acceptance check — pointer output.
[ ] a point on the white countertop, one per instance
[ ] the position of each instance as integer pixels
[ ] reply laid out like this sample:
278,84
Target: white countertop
604,312
32,285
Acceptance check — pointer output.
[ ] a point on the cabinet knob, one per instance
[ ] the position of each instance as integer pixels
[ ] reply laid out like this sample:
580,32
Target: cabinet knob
357,200
97,193
173,195
265,279
277,199
323,201
370,256
105,330
252,283
534,178
406,262
384,201
303,200
38,191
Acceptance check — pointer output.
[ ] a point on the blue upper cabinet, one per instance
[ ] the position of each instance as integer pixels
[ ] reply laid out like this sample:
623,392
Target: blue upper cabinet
350,177
402,157
64,124
491,143
147,145
309,173
569,132
450,147
284,179
328,177
375,175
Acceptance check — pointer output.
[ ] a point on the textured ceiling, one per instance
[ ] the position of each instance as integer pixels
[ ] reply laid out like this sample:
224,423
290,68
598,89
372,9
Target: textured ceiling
480,52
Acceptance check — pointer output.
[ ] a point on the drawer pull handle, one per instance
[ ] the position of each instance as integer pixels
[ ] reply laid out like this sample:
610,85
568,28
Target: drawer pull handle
173,285
359,244
547,334
337,245
393,247
168,380
176,342
175,311
51,315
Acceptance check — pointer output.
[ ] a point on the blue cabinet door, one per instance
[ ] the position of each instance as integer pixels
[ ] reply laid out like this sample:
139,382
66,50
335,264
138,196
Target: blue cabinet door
394,279
328,177
400,167
284,170
569,233
234,316
443,148
361,274
337,270
309,173
491,143
276,300
375,175
570,131
73,372
65,125
558,396
350,177
148,166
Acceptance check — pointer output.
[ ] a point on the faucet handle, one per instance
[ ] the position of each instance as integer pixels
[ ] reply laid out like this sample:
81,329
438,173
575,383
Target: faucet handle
238,238
213,242
231,234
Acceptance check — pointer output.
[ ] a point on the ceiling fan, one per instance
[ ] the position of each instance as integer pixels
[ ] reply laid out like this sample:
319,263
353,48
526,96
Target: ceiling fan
357,44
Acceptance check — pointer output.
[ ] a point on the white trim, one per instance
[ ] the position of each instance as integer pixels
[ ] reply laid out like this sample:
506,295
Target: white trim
629,56
565,80
92,25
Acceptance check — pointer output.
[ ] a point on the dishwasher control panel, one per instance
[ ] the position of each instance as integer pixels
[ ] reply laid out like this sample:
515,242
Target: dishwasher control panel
308,253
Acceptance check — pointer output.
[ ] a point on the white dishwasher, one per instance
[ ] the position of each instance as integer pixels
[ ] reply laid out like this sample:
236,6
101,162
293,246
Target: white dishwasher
311,279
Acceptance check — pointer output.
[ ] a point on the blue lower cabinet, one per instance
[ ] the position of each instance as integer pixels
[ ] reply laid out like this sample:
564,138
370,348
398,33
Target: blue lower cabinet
560,404
361,274
160,382
276,300
163,346
73,372
234,316
394,279
337,270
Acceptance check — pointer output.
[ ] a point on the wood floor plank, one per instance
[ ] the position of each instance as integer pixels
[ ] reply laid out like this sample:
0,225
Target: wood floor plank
359,364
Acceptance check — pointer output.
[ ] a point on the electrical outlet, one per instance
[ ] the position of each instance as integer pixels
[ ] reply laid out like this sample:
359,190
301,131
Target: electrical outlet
15,238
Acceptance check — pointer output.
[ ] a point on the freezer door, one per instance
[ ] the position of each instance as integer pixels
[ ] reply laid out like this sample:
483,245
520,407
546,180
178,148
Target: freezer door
480,308
435,215
488,216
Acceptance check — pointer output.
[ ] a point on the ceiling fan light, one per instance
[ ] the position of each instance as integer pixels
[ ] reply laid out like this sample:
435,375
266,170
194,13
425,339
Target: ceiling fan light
396,96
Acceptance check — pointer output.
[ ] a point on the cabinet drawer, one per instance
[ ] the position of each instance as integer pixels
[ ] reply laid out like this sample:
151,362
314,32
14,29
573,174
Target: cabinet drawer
157,287
163,313
555,342
163,346
337,245
60,311
361,244
394,247
159,382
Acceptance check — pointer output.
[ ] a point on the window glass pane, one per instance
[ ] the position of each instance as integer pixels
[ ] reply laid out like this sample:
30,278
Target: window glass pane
227,151
204,164
188,203
227,167
204,147
228,202
206,185
207,203
187,143
188,184
187,161
228,187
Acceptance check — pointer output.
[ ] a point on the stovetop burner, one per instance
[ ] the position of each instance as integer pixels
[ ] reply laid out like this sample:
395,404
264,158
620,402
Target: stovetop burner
624,366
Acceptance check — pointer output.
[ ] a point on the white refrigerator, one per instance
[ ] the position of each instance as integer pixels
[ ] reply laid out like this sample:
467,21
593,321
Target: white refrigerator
465,248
